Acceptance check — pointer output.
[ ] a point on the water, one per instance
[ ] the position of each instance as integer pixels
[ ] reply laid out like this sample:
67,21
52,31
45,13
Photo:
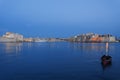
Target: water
58,61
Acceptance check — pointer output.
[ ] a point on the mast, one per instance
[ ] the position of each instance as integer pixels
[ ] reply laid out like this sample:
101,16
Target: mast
107,46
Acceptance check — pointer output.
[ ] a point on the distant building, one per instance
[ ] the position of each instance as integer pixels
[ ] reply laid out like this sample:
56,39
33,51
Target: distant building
28,40
96,38
40,40
15,36
91,37
83,37
112,39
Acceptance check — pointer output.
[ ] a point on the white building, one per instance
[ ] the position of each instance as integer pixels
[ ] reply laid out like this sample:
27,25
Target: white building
10,35
112,39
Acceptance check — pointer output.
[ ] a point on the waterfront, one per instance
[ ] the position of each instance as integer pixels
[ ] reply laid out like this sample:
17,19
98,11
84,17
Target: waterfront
57,61
88,37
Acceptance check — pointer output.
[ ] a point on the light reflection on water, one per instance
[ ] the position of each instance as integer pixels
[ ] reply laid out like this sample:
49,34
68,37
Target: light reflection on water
88,47
57,60
11,48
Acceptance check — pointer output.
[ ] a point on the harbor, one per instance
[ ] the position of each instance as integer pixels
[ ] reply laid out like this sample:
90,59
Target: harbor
88,37
15,37
58,60
94,38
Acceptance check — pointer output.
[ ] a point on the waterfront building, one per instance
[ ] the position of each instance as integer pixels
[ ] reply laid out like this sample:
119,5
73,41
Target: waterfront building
11,37
91,37
28,40
40,40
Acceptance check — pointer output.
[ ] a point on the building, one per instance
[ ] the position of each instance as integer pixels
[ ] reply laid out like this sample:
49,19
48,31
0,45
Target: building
91,37
28,40
15,37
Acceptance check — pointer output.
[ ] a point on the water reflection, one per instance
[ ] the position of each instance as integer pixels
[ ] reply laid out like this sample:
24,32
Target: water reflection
58,59
89,47
105,66
83,47
29,45
12,47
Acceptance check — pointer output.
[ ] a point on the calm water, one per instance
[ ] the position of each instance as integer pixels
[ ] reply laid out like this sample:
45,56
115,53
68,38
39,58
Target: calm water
58,61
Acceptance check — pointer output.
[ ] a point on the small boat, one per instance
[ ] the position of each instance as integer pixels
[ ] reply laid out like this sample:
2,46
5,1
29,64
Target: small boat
106,59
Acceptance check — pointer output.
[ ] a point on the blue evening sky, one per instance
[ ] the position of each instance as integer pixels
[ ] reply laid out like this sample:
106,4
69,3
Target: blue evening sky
59,18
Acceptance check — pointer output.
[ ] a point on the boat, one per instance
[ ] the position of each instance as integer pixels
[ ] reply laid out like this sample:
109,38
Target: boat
106,59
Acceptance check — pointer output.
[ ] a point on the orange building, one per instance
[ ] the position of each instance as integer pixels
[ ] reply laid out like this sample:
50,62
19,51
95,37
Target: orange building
96,39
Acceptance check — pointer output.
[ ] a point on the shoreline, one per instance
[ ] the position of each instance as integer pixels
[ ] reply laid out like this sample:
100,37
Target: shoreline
57,41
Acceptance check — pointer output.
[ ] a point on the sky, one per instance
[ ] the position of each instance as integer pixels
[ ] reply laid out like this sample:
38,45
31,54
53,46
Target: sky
59,18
